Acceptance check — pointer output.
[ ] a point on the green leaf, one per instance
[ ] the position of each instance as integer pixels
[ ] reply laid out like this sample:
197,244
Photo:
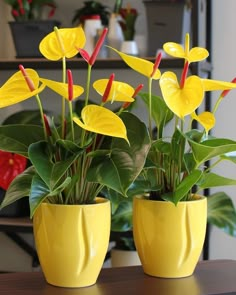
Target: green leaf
17,138
230,157
161,114
211,148
119,168
122,210
221,212
177,147
213,180
40,191
41,158
121,220
25,117
19,187
184,187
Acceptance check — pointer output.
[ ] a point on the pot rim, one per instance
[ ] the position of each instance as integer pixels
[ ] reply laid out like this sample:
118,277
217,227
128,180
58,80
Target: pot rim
98,201
199,198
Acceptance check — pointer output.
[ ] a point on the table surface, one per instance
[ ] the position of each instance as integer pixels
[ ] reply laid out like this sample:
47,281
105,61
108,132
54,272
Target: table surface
210,277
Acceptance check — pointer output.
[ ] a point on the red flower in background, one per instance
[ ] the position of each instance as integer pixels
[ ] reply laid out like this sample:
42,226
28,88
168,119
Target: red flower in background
129,16
10,166
24,10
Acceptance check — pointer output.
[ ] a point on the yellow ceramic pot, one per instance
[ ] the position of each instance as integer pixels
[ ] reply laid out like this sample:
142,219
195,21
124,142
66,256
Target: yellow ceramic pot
169,239
72,241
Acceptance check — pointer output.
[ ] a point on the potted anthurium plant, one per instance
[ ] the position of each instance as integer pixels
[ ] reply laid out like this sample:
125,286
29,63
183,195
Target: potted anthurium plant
73,160
127,23
169,220
30,24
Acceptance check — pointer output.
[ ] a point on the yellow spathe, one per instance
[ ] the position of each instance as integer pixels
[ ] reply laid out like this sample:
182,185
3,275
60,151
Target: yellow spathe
61,43
100,120
62,88
119,91
140,65
16,89
181,101
191,55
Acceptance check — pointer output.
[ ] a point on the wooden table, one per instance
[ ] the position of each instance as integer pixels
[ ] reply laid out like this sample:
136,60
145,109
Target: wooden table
210,277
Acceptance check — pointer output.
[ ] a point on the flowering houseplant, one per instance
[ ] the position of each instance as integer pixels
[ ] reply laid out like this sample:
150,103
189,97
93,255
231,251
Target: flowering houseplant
23,10
10,166
74,159
175,169
91,8
127,22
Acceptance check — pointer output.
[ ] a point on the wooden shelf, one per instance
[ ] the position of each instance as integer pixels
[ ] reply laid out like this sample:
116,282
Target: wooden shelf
79,63
17,224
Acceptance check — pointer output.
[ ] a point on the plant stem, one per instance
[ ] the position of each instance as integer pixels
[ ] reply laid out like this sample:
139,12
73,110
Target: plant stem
150,106
86,99
63,99
71,120
217,104
41,114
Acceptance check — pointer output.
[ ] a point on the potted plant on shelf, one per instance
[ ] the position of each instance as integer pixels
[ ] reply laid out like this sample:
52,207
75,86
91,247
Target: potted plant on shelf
72,161
30,25
127,23
170,219
91,8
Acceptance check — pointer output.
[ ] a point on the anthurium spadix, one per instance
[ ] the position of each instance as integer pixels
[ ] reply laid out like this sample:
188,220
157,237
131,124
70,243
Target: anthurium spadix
16,89
62,43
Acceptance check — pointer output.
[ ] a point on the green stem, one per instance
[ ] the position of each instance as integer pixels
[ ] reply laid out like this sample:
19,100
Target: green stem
150,105
88,84
71,120
41,114
86,99
63,103
213,165
217,104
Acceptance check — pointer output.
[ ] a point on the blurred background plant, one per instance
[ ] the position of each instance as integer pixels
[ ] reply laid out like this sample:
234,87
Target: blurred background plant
23,10
91,8
127,22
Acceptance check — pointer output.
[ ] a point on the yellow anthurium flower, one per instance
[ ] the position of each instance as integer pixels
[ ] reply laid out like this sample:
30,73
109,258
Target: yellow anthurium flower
206,119
177,50
185,101
62,88
140,65
16,89
100,120
211,85
62,43
119,91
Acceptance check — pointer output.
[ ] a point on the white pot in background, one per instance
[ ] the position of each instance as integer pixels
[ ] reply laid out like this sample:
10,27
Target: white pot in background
121,258
129,47
115,35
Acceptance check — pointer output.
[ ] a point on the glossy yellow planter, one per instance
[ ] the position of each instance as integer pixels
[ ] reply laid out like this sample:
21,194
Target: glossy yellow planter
169,239
72,241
